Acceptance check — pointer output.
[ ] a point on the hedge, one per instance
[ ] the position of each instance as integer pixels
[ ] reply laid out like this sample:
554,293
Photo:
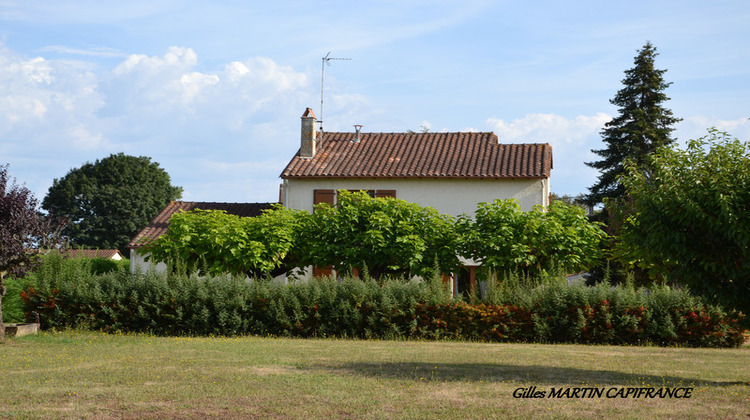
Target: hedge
66,294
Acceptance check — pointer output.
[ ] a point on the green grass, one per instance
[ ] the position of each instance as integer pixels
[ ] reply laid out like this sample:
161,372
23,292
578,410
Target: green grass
93,375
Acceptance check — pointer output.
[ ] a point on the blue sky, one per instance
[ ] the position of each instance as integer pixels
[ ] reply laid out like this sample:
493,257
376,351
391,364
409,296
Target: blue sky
213,91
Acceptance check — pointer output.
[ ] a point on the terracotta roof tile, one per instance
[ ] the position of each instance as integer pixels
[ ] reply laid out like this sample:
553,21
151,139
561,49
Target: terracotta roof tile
428,155
159,225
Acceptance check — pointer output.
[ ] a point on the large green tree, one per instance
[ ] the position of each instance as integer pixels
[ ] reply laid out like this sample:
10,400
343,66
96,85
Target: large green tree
533,243
214,242
387,235
643,125
107,202
687,219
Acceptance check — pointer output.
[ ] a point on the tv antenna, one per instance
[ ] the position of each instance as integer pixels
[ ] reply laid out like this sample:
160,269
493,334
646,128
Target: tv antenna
325,61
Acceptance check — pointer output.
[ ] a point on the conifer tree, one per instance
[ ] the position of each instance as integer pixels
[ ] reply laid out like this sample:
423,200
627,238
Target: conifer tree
642,125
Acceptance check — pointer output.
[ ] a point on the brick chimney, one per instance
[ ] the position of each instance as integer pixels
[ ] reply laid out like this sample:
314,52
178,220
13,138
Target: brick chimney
309,135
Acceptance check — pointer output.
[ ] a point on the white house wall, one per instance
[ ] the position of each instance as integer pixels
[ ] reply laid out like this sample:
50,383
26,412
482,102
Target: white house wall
448,196
138,262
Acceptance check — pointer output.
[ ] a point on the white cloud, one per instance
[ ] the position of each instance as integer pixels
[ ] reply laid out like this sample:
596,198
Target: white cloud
193,83
165,106
550,128
153,83
39,98
149,90
266,72
739,128
697,126
84,139
93,52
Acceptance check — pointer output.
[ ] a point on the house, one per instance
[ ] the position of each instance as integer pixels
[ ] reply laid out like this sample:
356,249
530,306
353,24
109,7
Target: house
159,225
107,254
451,172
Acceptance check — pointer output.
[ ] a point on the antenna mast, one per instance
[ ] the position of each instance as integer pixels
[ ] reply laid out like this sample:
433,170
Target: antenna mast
325,61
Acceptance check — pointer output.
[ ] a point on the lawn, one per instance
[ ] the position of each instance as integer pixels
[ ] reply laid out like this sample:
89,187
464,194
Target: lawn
93,375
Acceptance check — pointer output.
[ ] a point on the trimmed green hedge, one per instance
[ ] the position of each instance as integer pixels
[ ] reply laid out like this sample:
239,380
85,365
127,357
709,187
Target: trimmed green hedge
65,293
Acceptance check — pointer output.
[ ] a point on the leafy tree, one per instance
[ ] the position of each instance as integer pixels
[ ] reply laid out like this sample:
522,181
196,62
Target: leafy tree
578,201
23,231
642,125
107,202
387,235
533,243
214,242
688,218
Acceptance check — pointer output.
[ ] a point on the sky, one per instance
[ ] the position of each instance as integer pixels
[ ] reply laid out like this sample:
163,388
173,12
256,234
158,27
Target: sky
214,91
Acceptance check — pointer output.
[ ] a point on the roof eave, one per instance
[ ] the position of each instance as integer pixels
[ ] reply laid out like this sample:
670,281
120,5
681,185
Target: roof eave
414,177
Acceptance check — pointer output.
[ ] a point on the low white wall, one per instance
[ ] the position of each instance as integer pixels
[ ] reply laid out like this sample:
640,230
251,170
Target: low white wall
138,262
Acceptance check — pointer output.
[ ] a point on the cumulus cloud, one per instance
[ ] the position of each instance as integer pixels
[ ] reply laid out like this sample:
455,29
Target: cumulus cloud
165,106
696,126
550,128
40,98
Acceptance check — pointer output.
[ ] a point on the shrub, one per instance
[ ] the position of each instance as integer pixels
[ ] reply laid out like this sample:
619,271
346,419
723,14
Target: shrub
13,311
65,293
105,265
535,242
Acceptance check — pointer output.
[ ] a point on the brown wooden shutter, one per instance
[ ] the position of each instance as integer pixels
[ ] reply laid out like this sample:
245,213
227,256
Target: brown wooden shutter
385,193
323,196
323,272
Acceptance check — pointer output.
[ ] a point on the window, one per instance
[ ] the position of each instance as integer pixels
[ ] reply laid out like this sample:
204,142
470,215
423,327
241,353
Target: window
331,196
371,193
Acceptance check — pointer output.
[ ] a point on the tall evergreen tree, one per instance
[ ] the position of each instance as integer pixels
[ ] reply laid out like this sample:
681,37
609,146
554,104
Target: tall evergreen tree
642,125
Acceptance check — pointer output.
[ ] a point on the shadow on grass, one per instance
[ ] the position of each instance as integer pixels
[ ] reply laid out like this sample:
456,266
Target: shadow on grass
536,375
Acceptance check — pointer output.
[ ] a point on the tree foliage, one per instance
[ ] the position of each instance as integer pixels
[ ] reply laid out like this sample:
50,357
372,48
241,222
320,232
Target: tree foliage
533,243
214,242
578,201
643,125
688,217
23,231
388,236
107,202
